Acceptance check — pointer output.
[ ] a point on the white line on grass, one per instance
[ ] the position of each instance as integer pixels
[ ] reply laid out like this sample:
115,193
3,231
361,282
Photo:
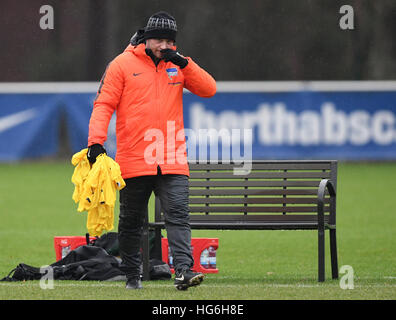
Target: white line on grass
121,285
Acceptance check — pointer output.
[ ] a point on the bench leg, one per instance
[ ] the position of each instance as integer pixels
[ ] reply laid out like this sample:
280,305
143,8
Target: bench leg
321,255
333,253
157,252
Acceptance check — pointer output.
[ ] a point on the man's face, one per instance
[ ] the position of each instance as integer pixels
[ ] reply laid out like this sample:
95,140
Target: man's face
156,45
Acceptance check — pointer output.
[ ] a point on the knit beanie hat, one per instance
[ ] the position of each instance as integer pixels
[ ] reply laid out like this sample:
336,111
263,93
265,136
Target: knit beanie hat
161,25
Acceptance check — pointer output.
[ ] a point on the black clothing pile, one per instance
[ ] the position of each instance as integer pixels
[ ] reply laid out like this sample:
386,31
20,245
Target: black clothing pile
95,261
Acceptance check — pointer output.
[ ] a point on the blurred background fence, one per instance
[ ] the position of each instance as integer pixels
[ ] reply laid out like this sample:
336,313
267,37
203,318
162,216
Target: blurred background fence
286,70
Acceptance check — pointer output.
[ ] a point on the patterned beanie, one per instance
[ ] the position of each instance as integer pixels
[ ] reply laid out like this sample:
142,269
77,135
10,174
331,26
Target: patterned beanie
161,25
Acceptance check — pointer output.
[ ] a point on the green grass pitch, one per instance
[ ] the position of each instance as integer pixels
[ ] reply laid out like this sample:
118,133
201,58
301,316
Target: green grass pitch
36,205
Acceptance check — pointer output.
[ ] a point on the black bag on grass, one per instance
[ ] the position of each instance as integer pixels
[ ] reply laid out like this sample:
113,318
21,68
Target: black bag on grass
83,263
109,242
159,270
23,272
86,263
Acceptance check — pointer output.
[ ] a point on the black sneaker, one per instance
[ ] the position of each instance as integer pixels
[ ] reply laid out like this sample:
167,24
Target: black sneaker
134,283
187,278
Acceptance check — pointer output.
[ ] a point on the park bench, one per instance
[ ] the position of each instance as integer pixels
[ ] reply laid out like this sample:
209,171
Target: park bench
274,195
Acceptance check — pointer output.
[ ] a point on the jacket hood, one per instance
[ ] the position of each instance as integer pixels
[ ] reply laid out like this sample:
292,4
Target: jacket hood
131,48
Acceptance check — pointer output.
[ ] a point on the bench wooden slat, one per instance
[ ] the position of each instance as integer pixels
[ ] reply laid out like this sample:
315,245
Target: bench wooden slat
292,225
261,209
248,183
257,218
223,192
325,165
260,175
261,200
232,222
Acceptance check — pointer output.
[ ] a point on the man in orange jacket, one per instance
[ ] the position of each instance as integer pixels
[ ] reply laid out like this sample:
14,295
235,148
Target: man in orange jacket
144,86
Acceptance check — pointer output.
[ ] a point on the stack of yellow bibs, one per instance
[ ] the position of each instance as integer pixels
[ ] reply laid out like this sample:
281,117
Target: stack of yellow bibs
95,190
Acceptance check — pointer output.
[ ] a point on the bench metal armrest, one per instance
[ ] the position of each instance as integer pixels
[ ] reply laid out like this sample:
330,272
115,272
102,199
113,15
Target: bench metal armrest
326,184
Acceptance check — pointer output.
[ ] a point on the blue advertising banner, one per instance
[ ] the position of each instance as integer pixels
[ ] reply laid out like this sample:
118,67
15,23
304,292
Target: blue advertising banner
345,121
28,126
77,108
300,125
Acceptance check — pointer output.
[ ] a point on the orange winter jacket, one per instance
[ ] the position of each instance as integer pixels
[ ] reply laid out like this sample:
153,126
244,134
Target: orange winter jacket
148,101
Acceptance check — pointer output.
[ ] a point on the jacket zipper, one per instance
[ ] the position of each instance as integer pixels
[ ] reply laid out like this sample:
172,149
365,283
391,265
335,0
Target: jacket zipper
158,106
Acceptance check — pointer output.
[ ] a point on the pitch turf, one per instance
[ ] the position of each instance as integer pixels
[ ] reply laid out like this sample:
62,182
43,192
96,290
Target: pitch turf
36,205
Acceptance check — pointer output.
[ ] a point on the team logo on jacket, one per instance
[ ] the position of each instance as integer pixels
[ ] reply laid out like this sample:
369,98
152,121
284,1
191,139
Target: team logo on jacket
172,72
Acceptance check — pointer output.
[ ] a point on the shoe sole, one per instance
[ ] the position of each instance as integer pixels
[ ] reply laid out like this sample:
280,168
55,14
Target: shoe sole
133,288
195,281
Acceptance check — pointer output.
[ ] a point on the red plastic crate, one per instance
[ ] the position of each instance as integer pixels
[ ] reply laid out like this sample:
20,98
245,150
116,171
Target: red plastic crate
69,242
198,245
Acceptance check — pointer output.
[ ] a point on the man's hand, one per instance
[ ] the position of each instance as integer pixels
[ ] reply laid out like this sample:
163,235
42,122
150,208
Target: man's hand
174,57
93,151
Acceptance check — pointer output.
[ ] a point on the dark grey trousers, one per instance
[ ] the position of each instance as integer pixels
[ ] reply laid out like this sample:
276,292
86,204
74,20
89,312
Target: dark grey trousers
172,189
